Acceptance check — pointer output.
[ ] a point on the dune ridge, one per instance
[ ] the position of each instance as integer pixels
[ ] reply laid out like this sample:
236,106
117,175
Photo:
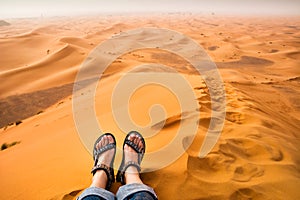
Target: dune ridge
256,157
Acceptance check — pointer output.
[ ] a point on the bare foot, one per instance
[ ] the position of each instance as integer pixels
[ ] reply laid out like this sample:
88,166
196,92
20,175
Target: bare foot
100,177
131,173
107,156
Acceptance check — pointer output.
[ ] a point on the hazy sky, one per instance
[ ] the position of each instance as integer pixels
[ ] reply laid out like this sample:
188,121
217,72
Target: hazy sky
33,8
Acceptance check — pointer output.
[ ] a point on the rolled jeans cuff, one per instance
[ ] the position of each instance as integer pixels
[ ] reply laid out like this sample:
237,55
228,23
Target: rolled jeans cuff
98,192
129,189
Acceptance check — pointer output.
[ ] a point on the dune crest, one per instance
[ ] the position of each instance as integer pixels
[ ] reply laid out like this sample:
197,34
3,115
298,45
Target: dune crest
256,157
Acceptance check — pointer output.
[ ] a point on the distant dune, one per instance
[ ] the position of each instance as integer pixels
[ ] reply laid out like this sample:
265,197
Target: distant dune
256,157
4,23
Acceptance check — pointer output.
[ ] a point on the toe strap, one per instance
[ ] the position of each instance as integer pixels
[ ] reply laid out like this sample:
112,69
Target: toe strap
136,148
109,173
133,145
107,147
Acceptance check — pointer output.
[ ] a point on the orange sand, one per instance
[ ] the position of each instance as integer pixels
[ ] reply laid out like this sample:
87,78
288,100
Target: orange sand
256,157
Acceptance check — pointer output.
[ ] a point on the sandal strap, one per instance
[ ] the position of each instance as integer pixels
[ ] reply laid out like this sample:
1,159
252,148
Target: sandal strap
131,163
133,145
103,149
128,164
109,173
136,149
140,151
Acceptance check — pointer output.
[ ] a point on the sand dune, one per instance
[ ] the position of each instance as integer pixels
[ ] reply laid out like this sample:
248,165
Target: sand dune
256,157
56,67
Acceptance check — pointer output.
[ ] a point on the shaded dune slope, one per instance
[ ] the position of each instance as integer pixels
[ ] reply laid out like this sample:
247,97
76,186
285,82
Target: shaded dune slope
256,157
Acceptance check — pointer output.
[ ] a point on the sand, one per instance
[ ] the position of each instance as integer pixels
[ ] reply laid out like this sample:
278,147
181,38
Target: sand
256,157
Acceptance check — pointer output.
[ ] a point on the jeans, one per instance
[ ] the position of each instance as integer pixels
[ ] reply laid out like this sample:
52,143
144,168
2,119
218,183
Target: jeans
135,191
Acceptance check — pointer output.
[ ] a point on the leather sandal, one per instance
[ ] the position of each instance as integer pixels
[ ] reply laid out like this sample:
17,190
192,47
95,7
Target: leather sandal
121,172
107,169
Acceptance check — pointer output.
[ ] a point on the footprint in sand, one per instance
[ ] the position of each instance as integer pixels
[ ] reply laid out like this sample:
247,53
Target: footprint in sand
246,172
235,117
251,149
247,194
211,167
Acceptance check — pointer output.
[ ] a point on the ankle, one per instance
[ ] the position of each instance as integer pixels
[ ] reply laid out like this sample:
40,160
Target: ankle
99,179
132,175
131,170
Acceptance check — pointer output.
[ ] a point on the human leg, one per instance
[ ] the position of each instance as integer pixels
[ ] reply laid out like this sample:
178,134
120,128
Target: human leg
104,153
133,151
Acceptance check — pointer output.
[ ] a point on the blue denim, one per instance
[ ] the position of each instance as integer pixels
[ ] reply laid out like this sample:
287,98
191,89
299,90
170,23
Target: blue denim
127,191
141,196
94,193
135,191
93,197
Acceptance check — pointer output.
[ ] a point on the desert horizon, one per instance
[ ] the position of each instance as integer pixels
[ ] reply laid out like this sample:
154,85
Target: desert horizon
256,156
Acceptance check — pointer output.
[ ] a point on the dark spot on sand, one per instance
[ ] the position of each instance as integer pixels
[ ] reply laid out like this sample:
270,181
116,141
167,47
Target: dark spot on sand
212,48
18,122
6,145
274,51
246,61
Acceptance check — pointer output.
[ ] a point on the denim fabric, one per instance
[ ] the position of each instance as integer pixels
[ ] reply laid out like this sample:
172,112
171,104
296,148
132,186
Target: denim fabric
93,197
141,196
98,192
127,192
135,191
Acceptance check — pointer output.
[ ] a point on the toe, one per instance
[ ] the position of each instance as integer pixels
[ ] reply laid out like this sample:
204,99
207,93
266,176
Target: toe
110,139
106,140
102,142
133,137
136,140
140,145
98,146
130,137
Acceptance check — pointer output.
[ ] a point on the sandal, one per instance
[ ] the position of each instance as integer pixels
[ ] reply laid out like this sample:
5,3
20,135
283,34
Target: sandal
121,172
107,169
